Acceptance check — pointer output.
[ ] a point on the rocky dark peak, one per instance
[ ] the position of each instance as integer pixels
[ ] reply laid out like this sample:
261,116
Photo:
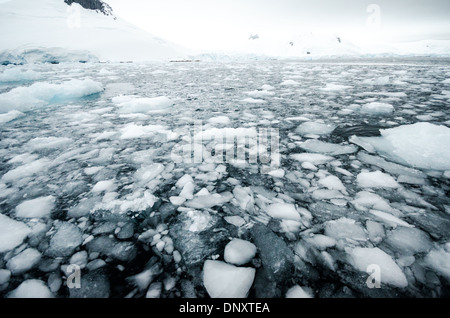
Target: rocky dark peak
97,5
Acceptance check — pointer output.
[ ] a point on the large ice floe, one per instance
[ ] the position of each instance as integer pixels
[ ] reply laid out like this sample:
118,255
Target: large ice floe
197,180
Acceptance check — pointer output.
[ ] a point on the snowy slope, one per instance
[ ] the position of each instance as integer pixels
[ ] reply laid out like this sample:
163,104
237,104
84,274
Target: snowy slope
29,24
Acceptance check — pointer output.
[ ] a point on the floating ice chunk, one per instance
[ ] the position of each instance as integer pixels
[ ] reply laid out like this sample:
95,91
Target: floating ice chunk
376,179
203,191
376,231
309,166
345,228
154,291
223,280
235,220
299,292
18,75
183,180
290,83
439,260
391,273
325,194
48,143
313,145
384,80
208,201
36,208
390,219
148,173
219,120
188,191
278,173
177,200
253,101
312,158
409,241
390,167
260,93
333,183
314,128
376,108
365,201
10,116
5,275
421,145
133,104
24,261
80,259
104,186
137,131
321,241
334,87
239,252
31,288
66,239
26,170
41,94
12,233
283,211
267,87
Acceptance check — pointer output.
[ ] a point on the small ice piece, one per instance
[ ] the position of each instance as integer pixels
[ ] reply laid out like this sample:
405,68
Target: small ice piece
188,191
278,173
345,228
133,104
80,259
5,275
244,197
321,242
219,120
24,261
10,75
10,116
26,170
289,83
309,166
376,231
377,108
389,219
42,143
235,220
439,260
177,200
376,179
365,201
299,292
154,291
12,233
361,258
330,87
325,194
315,128
133,131
283,211
253,101
333,183
409,241
150,172
31,288
239,252
223,280
208,201
267,87
106,185
203,191
317,146
66,239
36,208
313,158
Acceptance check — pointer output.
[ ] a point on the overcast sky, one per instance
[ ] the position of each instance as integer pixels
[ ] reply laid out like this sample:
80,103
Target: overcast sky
220,24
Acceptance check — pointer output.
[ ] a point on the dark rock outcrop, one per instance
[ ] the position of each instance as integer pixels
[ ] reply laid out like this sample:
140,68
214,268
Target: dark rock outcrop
97,5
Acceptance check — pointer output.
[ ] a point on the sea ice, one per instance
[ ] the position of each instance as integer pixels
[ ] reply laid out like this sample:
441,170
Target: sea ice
10,116
376,179
223,280
421,145
283,211
299,292
12,233
31,288
313,145
390,272
239,252
41,94
332,183
376,108
345,228
24,261
314,128
439,260
36,208
19,75
133,104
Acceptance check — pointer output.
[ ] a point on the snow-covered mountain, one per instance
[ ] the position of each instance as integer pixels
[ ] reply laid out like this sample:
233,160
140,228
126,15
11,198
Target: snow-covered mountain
84,25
